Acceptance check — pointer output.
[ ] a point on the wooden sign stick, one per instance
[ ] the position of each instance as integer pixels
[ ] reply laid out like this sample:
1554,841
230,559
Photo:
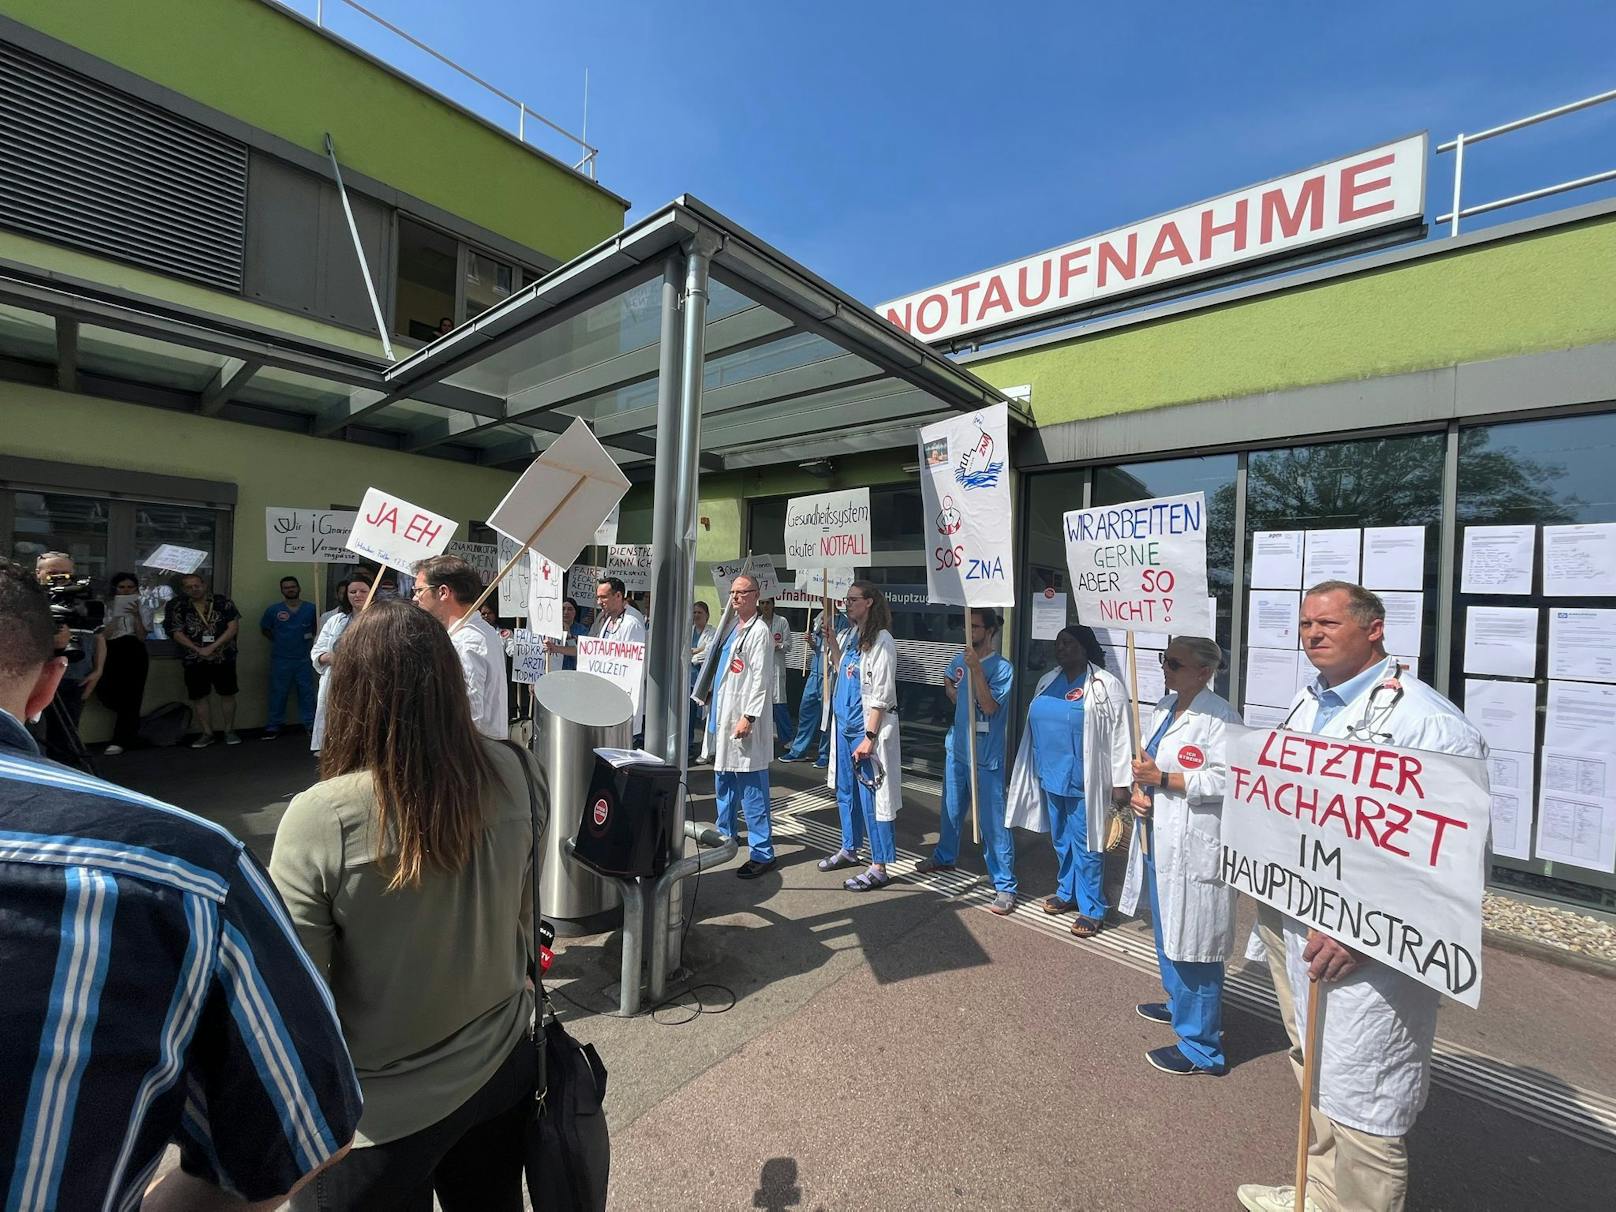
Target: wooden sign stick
1310,1073
969,687
1138,732
374,581
520,552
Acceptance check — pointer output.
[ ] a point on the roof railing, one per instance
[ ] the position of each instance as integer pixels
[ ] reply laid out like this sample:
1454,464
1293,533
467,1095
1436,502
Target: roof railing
524,111
1457,147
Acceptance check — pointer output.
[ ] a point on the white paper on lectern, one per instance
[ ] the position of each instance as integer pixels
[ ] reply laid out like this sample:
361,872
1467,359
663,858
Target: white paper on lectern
1581,715
1501,640
1271,618
1506,712
1498,559
1394,557
1330,555
1270,676
1579,561
1509,777
1576,829
1405,613
1582,644
1276,559
533,499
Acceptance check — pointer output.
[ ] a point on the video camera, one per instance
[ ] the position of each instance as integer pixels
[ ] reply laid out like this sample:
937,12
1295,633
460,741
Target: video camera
73,606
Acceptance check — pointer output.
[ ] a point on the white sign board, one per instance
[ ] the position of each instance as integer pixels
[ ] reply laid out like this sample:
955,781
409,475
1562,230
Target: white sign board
620,662
606,532
828,529
1350,196
513,590
174,558
391,531
965,502
483,557
631,564
528,659
307,536
762,568
581,582
1141,565
562,497
812,585
544,596
1383,849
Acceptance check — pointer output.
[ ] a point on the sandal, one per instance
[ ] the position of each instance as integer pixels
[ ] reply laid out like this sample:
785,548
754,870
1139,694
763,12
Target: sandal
868,882
1086,927
842,858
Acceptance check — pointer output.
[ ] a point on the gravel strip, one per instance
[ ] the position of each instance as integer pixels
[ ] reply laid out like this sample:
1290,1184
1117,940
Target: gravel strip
1560,928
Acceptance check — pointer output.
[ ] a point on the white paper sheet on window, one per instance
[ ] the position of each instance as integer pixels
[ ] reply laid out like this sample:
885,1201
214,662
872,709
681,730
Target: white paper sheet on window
1394,557
1259,716
1306,675
1582,644
1501,640
1276,559
1509,777
1117,637
1270,676
1578,773
1581,716
1271,618
1151,685
1506,712
1410,664
1048,614
1579,561
1330,555
1577,829
1498,559
1405,612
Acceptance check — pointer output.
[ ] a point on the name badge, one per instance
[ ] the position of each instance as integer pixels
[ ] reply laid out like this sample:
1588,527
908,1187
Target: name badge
983,726
208,637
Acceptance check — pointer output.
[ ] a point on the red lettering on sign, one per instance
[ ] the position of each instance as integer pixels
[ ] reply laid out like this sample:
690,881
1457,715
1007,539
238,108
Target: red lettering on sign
422,530
1190,757
1309,203
386,515
1109,259
1069,269
905,320
1235,227
1169,246
994,296
925,328
1021,285
962,292
1352,189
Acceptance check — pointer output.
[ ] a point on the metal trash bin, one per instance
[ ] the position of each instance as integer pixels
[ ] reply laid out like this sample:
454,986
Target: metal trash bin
573,715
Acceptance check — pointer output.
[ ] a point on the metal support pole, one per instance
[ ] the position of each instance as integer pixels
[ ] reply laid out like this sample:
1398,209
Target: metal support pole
359,251
631,969
1458,180
1237,587
1441,676
720,850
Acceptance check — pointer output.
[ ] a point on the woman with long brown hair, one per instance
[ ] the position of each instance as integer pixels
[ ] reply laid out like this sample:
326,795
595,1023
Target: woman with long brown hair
407,871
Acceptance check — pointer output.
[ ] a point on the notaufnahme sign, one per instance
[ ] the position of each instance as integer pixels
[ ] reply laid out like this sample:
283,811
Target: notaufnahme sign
1357,194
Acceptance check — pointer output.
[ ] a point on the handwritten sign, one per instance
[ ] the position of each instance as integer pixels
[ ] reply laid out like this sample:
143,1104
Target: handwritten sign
513,590
528,660
307,536
1380,848
828,529
391,531
762,568
544,596
173,558
620,662
581,582
965,501
631,564
1141,566
483,557
814,584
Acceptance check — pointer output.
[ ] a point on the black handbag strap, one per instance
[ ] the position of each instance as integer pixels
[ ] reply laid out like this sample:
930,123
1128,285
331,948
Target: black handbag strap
541,1002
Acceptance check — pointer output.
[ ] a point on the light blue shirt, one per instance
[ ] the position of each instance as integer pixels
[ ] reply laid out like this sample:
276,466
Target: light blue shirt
1000,675
1332,700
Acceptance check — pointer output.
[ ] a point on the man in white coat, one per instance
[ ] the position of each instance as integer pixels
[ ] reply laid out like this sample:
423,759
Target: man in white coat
740,727
616,620
1375,1058
445,587
780,630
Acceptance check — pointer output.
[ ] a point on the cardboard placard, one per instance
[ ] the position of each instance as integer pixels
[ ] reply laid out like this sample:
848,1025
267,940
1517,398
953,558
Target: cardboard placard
307,536
391,532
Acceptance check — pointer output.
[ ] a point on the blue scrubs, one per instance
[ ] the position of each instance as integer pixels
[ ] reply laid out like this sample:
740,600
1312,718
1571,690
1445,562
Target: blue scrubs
1194,990
808,708
291,636
1056,724
856,801
998,845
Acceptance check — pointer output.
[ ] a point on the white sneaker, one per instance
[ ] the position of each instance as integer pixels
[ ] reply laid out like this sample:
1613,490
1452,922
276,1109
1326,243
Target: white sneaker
203,741
231,738
1272,1199
112,750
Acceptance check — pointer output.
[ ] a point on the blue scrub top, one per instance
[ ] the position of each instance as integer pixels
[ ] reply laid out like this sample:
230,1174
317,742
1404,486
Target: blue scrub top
848,705
1001,675
291,631
1056,722
578,628
718,677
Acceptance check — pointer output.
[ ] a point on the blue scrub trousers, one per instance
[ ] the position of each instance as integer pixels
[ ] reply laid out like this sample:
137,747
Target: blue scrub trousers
1082,871
998,846
782,723
283,675
808,710
857,805
1194,990
751,789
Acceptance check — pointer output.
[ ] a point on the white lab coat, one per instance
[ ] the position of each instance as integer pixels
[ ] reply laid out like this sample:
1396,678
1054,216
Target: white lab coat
747,691
878,684
781,631
481,650
1379,1026
1197,907
698,650
1107,759
330,632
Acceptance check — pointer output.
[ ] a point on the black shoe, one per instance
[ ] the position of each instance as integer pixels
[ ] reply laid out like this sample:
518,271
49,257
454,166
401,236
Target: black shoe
1155,1012
751,869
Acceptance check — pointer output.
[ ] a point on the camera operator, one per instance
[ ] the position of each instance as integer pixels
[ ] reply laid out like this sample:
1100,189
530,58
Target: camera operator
79,618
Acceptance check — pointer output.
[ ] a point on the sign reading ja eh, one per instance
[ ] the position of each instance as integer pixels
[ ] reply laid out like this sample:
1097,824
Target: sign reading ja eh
393,532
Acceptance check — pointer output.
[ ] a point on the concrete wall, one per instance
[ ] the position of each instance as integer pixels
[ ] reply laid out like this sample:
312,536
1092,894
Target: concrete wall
267,466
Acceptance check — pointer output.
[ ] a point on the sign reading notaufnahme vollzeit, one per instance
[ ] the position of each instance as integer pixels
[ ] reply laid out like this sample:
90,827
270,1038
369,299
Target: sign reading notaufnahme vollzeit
1356,194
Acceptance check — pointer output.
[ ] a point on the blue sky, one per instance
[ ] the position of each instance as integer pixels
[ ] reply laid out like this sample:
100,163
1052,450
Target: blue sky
893,146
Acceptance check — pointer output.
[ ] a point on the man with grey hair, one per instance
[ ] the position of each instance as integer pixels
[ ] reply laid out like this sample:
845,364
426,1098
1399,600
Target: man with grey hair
1375,1052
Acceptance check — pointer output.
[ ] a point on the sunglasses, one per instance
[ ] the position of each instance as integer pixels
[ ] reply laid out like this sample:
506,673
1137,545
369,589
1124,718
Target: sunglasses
1173,663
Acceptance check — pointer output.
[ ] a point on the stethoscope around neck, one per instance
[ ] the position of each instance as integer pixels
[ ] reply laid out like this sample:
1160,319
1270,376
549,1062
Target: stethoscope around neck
1371,727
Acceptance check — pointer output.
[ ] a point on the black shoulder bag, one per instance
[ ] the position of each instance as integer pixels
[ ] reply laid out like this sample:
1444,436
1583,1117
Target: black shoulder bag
567,1150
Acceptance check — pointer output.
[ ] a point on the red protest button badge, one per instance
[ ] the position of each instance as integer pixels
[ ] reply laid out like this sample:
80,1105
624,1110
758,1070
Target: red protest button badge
736,665
1075,694
1190,757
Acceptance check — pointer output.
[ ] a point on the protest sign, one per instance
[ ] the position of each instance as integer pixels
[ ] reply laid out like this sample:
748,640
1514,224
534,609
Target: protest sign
762,568
544,596
606,532
513,586
483,557
631,564
1142,565
395,534
812,586
173,558
1378,847
307,536
620,662
562,497
965,501
528,659
581,582
828,529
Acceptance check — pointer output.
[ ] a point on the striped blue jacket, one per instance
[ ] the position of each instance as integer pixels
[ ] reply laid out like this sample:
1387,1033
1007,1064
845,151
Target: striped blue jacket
154,991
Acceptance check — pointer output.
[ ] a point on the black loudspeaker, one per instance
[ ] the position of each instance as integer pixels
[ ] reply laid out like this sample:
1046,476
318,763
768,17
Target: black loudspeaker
627,824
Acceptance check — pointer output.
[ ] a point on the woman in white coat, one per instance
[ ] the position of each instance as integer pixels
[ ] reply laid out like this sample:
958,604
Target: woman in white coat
350,601
1074,763
1181,777
740,727
864,756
